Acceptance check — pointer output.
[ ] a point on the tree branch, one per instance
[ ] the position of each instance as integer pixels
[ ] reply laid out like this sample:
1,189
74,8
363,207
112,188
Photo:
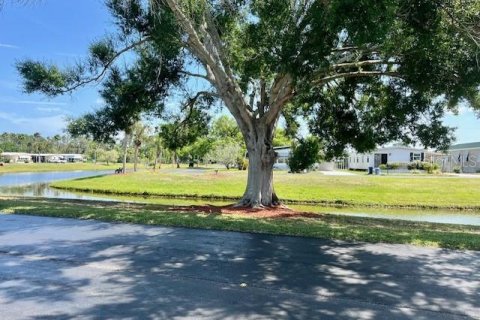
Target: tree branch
280,93
210,55
193,41
196,75
355,48
105,67
191,104
470,32
358,74
363,63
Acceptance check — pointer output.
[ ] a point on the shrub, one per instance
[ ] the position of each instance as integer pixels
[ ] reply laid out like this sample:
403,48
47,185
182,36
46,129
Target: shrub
394,165
431,167
383,167
304,154
427,167
419,165
414,165
456,169
242,163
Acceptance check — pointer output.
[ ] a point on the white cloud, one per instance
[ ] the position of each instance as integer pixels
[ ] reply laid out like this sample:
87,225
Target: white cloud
100,102
70,55
43,103
46,125
34,102
462,109
8,46
49,109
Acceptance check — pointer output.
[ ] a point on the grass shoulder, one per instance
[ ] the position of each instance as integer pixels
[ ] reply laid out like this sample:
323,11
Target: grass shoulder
321,226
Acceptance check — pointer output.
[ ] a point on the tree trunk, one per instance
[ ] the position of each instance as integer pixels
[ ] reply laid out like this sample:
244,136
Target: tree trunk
125,150
157,154
261,156
159,157
175,157
136,159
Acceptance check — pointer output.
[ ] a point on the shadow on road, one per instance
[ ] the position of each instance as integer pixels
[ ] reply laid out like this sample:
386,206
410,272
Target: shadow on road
61,268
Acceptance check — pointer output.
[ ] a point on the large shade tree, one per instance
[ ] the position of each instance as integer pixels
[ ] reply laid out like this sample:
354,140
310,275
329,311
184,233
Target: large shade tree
363,72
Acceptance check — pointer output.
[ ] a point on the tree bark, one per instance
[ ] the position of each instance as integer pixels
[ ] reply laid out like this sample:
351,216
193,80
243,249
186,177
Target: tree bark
136,159
175,157
257,126
157,155
261,156
125,150
155,163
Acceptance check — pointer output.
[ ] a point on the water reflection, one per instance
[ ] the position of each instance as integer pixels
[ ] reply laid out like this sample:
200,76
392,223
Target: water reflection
424,215
28,178
36,184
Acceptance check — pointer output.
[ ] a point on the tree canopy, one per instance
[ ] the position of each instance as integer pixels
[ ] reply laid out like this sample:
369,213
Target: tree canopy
360,72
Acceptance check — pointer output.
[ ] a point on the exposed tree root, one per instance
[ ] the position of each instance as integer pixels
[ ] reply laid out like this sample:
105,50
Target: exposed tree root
254,204
280,211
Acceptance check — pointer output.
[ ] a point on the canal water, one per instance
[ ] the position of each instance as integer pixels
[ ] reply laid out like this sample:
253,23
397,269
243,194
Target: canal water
36,184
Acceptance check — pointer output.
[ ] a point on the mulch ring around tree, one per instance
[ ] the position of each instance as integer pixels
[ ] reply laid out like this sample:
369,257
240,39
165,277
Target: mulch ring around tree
267,212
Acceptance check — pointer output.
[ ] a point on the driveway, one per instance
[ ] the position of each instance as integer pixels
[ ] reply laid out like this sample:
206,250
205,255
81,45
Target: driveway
338,173
60,268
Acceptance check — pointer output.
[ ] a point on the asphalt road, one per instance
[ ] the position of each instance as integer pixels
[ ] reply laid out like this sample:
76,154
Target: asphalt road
68,269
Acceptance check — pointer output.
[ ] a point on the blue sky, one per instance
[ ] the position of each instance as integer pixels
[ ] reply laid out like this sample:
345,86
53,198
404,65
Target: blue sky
56,31
60,32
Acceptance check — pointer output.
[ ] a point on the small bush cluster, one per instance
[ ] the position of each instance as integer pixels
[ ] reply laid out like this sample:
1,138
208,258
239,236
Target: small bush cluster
390,166
242,164
422,165
393,166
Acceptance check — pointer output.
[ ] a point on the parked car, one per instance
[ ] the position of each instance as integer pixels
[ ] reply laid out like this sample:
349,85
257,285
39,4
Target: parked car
57,160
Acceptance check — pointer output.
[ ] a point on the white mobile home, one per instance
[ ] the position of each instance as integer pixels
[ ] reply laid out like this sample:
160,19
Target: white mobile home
465,157
16,157
385,155
74,157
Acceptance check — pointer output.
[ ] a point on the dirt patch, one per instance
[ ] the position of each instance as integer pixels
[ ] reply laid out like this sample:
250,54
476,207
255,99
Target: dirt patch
274,212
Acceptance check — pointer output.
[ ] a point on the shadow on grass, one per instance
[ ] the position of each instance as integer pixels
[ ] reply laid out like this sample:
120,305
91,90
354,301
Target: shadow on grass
322,226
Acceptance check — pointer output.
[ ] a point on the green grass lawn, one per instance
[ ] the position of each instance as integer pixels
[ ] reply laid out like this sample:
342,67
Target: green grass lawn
44,167
394,191
325,226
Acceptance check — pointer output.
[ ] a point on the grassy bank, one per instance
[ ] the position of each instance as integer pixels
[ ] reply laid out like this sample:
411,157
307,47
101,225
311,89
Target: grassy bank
45,167
324,226
356,190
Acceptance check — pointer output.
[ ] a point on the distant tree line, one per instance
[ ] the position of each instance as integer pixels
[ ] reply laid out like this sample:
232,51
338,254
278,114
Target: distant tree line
36,143
217,141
